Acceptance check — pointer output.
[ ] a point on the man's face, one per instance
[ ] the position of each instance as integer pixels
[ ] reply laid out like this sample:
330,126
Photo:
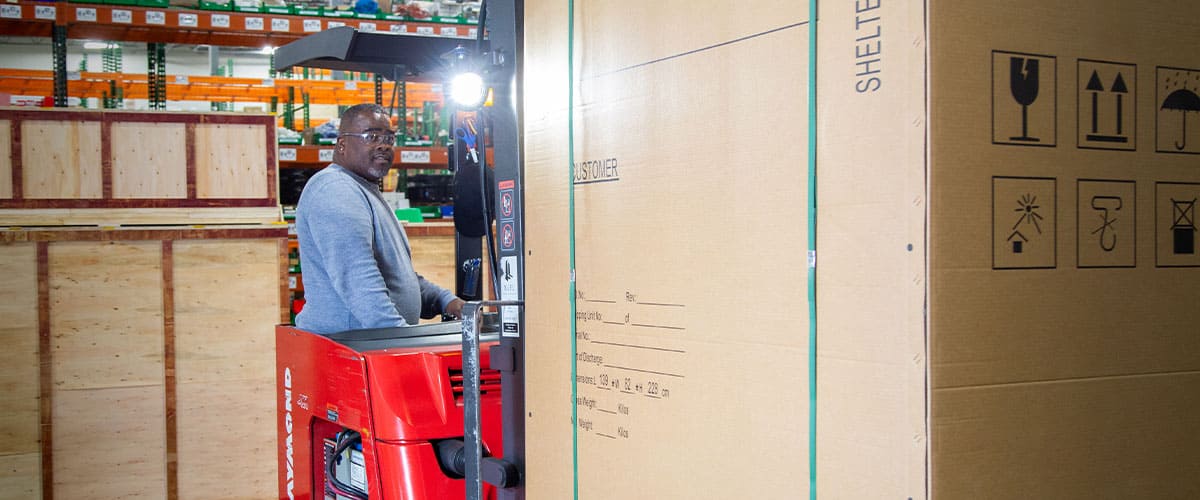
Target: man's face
370,160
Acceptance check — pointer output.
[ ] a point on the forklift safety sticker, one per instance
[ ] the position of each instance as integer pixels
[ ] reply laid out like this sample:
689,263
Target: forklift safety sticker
508,237
509,290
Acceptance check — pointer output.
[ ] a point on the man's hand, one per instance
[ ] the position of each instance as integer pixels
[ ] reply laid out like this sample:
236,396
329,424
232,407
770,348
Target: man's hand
454,308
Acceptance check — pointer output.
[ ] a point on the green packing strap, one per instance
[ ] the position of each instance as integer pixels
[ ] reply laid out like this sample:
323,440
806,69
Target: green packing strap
571,233
812,249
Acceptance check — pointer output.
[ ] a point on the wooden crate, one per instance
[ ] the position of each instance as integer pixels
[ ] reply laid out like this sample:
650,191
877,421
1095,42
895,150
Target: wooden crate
82,167
140,362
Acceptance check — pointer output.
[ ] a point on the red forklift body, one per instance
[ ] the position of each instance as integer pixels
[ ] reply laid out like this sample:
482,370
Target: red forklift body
399,388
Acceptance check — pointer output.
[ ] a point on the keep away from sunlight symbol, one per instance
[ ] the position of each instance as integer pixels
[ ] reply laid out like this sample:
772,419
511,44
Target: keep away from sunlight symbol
1185,101
1027,207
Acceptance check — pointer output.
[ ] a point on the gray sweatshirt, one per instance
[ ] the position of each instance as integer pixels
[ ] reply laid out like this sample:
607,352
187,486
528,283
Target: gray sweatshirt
356,262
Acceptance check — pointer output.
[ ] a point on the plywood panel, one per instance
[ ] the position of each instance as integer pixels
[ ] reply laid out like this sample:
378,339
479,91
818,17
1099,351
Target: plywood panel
106,314
6,159
433,258
231,161
110,443
149,160
227,439
61,159
20,461
226,305
19,476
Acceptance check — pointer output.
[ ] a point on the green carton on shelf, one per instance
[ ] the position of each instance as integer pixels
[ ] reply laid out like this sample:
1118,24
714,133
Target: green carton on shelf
431,212
154,3
279,9
409,215
207,5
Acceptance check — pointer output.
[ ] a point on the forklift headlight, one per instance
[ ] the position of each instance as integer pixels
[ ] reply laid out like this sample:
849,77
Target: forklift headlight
466,90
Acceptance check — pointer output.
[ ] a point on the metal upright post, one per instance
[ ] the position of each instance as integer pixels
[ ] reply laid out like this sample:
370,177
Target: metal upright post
306,107
59,42
401,91
379,89
156,73
505,32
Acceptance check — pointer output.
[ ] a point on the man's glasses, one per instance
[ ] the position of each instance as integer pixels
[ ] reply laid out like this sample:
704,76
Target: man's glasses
388,138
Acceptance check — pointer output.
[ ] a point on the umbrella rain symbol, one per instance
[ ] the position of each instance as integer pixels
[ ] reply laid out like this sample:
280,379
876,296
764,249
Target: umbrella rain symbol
1183,100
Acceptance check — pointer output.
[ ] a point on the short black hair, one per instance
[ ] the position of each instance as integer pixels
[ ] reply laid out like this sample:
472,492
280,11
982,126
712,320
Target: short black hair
357,110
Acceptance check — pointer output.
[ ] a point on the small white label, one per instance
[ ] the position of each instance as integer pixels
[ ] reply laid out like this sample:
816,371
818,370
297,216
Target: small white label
267,82
510,316
449,31
9,11
73,75
85,14
255,23
473,32
424,30
219,20
325,155
398,28
510,321
366,27
122,16
812,259
156,17
312,25
292,282
350,85
181,79
280,24
414,156
189,20
287,154
335,24
43,12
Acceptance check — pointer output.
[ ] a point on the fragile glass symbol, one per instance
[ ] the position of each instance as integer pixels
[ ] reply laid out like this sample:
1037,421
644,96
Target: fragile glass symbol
1108,240
1027,206
1023,82
1183,226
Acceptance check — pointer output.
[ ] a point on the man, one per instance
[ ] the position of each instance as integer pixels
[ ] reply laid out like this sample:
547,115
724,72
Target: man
357,263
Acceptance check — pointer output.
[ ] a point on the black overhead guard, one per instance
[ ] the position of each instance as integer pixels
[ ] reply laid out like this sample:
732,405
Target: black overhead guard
393,55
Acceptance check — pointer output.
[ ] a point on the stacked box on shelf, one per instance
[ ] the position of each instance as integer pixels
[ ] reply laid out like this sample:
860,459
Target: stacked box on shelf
247,6
218,5
303,10
279,9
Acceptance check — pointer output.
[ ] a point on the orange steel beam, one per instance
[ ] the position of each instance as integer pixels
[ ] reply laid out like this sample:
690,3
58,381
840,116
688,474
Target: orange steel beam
212,88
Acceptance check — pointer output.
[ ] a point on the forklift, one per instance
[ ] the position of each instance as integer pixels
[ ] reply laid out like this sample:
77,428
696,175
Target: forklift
433,411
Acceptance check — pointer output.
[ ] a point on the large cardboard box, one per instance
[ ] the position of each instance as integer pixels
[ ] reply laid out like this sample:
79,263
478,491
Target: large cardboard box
1006,274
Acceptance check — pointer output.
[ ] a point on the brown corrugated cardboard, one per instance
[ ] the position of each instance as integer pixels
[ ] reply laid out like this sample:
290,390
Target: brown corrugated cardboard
1006,279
